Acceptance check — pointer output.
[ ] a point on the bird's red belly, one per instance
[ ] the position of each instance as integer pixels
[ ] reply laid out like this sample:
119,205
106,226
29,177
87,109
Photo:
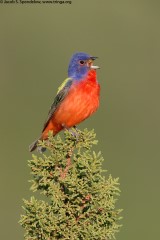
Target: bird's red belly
79,104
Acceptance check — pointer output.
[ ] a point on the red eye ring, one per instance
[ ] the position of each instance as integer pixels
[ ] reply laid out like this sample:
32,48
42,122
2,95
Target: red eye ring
81,62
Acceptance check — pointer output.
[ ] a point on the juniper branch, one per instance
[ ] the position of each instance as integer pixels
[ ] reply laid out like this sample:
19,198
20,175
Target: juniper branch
80,200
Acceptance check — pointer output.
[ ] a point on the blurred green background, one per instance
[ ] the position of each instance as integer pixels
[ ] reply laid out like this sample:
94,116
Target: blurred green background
36,43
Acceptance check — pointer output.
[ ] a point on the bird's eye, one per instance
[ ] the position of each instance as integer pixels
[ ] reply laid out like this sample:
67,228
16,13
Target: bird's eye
82,62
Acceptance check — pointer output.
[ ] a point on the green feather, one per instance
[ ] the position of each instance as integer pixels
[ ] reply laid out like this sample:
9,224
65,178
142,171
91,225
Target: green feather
61,94
63,84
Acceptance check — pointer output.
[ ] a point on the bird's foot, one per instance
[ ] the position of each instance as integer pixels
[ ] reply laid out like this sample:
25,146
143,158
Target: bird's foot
74,132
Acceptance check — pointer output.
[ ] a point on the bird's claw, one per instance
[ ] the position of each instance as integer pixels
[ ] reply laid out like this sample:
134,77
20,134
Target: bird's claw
75,134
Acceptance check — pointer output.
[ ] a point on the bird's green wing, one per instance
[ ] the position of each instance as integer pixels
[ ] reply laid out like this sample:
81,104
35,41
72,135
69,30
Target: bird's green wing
61,94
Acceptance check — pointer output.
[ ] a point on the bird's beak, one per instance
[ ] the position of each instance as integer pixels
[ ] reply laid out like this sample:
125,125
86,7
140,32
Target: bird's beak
92,66
95,67
94,58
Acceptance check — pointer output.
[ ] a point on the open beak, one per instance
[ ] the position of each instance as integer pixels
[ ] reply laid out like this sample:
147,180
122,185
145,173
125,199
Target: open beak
94,67
94,58
91,63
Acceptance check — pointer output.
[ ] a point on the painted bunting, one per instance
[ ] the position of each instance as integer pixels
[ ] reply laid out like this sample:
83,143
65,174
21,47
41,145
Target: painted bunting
77,98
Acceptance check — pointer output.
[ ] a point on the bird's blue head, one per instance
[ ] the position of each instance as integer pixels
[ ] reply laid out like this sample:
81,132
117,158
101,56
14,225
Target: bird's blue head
80,64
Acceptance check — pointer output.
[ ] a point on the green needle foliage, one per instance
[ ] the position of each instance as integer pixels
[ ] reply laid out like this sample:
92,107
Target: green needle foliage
79,201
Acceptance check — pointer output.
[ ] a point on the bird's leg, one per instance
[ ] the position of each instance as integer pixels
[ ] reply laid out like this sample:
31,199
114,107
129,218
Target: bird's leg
74,134
75,127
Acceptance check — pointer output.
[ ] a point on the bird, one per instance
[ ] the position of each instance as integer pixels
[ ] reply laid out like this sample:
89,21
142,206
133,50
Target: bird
77,97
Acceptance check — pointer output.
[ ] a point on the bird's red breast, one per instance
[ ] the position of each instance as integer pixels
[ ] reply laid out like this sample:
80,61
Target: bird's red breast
81,101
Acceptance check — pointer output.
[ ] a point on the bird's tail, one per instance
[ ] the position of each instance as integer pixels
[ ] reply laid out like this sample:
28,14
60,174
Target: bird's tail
33,145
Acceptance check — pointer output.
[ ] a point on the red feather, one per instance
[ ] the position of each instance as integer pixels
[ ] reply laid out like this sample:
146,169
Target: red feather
81,101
